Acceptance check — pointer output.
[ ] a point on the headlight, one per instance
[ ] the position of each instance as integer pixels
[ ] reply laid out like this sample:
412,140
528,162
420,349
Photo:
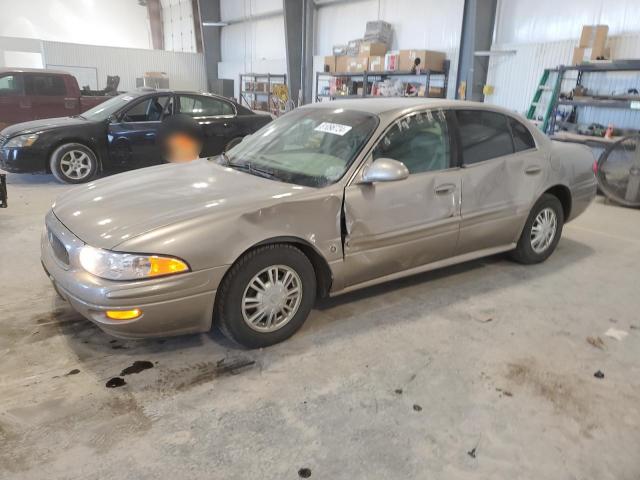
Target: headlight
21,141
128,266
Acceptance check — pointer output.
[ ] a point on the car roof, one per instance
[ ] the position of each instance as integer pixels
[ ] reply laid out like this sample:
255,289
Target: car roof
382,105
32,70
151,90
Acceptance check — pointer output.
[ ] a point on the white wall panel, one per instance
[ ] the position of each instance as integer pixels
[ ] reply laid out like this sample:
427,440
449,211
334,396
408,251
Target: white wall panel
235,10
430,24
9,46
528,21
255,46
121,23
186,70
515,77
178,26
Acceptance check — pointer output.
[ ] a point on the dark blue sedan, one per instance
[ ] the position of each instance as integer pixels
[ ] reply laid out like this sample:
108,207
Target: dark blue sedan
120,134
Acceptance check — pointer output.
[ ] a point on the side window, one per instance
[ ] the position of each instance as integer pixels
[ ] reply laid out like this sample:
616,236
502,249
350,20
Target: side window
484,135
149,110
522,139
204,106
47,85
10,85
420,141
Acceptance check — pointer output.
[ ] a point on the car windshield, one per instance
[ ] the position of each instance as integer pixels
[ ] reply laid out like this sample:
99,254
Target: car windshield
310,146
108,108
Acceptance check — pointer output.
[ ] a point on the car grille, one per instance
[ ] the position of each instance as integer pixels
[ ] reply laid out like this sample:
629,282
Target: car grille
58,247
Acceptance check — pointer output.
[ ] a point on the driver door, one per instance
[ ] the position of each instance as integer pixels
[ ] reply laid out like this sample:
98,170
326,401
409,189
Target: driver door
133,136
395,226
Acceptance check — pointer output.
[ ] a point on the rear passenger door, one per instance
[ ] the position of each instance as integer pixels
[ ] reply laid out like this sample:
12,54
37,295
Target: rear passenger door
502,171
217,118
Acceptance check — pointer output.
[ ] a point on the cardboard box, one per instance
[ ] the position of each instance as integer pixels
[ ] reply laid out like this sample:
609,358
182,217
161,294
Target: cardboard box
429,60
373,48
353,47
339,50
342,64
329,64
436,92
583,54
391,61
357,64
594,36
376,63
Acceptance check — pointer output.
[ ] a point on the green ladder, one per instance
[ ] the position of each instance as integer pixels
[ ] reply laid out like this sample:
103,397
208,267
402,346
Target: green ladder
543,87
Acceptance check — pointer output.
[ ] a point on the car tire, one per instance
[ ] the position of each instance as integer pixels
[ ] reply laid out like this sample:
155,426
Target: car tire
73,163
541,232
239,300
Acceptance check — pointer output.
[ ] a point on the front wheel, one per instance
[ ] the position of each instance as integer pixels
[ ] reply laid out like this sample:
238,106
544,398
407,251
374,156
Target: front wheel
542,231
73,163
266,296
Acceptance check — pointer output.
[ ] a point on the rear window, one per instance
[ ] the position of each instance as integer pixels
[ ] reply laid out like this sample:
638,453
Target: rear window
522,139
484,135
47,85
202,106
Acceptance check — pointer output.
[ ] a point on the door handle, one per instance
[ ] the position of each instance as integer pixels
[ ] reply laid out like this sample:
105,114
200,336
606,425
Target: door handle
444,189
533,170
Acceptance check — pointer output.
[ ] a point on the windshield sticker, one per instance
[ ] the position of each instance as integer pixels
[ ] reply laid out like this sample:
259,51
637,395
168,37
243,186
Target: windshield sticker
333,128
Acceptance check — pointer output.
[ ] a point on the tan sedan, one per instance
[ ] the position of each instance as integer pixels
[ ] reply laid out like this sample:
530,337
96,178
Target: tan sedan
329,198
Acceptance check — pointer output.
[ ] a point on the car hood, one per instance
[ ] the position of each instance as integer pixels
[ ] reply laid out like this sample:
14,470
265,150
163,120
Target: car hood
37,126
113,210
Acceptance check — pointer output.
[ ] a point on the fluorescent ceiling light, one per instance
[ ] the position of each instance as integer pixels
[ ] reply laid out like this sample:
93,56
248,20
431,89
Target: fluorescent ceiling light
214,24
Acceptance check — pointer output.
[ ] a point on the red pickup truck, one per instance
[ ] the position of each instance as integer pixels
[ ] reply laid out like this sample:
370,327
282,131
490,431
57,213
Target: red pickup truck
30,94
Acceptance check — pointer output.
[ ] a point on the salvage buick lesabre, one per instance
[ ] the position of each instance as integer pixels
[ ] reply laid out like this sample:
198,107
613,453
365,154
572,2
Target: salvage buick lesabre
329,198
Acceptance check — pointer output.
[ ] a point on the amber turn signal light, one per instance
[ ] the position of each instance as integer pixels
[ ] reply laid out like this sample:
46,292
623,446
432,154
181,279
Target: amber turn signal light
165,266
123,314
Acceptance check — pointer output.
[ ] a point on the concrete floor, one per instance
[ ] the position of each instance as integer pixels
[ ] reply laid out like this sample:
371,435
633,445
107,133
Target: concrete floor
478,371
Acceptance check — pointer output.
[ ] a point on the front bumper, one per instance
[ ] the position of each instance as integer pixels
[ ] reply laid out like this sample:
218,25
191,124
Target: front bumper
23,160
172,305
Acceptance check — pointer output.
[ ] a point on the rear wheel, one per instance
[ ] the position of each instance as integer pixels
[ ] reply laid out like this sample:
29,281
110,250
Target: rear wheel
73,163
542,231
266,296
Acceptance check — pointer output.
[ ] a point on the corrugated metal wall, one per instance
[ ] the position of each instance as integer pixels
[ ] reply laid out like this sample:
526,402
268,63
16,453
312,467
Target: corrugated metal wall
515,77
250,44
186,70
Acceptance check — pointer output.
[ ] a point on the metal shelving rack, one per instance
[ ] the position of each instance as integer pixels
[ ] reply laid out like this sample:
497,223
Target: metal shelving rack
369,77
249,97
601,101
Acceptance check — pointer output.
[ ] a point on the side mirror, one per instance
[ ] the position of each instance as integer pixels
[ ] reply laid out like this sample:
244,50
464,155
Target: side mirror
385,170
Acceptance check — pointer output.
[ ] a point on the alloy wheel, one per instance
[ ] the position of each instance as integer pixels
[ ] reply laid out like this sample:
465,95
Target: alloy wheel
543,230
271,298
75,164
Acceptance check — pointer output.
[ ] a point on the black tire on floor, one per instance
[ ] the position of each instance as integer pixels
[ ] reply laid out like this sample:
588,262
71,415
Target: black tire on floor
524,252
87,165
228,316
